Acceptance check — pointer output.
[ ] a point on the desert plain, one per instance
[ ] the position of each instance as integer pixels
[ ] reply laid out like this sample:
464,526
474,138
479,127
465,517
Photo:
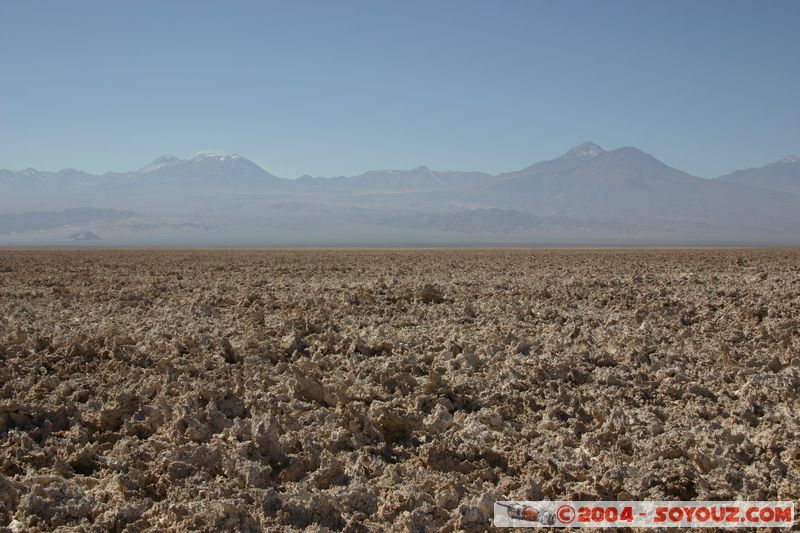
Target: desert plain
377,390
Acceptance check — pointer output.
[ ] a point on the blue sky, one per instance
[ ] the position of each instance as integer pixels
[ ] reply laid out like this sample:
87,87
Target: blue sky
337,88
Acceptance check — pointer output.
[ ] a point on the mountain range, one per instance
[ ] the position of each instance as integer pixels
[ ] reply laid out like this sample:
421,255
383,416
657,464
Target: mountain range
586,196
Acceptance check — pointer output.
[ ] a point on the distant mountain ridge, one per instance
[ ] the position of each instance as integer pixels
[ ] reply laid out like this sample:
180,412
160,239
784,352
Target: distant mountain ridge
587,194
783,175
418,179
207,169
210,168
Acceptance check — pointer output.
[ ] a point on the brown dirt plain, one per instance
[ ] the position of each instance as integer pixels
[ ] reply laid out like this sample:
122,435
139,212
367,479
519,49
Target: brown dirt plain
370,390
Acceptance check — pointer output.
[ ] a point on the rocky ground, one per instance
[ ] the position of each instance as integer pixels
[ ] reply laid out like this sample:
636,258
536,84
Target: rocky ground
389,390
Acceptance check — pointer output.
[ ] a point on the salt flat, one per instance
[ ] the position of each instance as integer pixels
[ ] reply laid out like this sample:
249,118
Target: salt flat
389,389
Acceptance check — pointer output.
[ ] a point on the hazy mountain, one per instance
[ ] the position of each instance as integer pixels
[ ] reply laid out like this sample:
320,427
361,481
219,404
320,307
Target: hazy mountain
783,175
420,179
166,187
33,179
206,172
588,167
587,195
84,236
627,184
208,169
482,221
45,220
87,224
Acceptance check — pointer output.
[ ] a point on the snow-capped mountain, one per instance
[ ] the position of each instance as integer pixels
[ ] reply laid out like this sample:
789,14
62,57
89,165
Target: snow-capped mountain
31,178
208,169
205,168
585,150
160,163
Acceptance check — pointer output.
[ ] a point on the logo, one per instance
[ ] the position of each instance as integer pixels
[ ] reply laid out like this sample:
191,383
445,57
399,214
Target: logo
566,514
644,514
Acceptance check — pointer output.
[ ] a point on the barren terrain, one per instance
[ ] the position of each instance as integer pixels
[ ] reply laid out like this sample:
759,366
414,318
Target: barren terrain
398,390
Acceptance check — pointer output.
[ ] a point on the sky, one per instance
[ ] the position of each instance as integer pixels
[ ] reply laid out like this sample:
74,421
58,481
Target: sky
337,88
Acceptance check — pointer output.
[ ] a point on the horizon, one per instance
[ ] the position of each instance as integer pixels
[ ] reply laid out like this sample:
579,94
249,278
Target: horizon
234,155
319,89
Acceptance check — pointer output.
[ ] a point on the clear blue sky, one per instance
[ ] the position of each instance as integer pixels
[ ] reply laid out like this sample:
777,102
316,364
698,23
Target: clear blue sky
340,87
